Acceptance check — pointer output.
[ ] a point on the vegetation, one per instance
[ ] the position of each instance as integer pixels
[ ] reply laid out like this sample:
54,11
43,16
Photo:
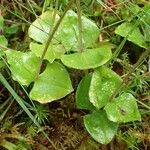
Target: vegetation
74,74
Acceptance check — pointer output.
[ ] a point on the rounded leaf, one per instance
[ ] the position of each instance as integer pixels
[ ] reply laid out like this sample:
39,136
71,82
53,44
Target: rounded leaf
82,93
40,28
90,58
104,82
123,109
68,31
23,66
54,83
99,127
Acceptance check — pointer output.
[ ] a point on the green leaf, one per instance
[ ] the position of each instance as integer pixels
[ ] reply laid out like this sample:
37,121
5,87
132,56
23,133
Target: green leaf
132,33
99,127
40,28
90,58
68,32
3,40
53,52
82,93
123,109
104,82
54,83
23,66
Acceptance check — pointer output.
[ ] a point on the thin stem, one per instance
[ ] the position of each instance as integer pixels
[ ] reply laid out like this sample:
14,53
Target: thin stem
51,35
79,25
146,106
126,79
23,6
32,8
118,50
6,110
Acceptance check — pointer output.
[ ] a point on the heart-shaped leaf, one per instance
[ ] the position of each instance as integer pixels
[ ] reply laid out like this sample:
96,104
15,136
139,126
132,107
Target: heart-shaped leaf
90,58
132,33
23,66
104,82
53,52
82,93
123,109
40,28
99,127
54,83
68,32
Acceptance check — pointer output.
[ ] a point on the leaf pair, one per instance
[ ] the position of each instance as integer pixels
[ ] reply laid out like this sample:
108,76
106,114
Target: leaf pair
54,83
95,90
93,93
67,33
66,39
101,84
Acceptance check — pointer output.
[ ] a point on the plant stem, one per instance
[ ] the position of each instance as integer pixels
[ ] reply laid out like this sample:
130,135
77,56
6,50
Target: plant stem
79,25
126,79
146,106
51,34
118,50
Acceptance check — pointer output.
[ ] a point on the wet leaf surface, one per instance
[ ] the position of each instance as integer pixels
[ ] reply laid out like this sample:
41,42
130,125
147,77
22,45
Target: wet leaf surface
68,32
54,83
23,66
40,28
90,58
123,109
104,82
99,127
